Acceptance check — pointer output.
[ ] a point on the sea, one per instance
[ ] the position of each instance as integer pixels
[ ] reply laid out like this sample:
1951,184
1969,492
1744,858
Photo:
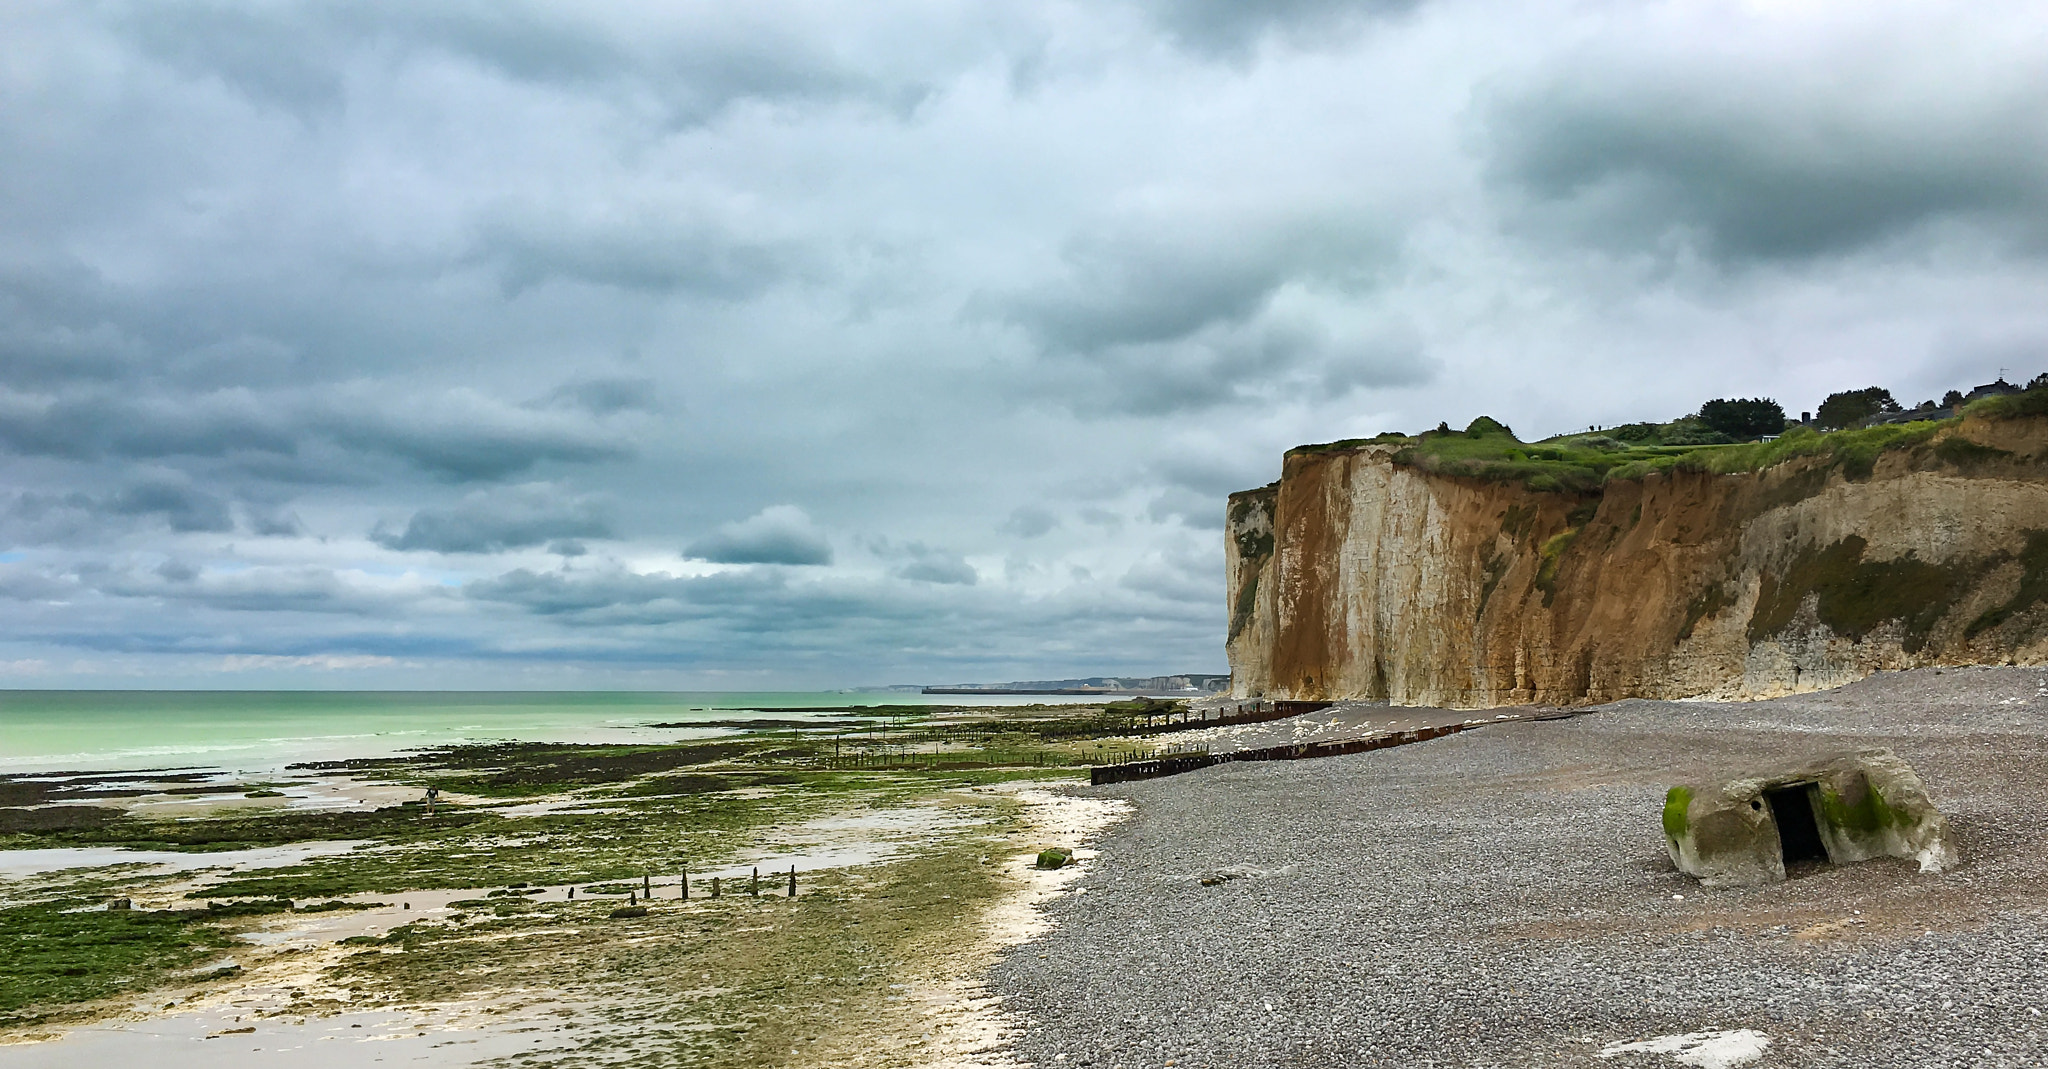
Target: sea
249,731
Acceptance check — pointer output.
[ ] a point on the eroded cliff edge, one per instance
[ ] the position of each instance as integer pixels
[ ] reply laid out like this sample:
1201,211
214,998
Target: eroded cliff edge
1360,575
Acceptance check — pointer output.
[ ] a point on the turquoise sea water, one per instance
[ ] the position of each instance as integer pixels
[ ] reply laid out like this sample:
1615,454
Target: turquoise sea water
50,730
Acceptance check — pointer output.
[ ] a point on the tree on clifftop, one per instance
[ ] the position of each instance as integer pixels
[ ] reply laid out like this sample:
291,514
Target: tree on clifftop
1850,407
1743,417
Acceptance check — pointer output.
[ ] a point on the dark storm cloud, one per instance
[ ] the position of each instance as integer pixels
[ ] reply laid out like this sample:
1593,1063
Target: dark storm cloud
1749,164
488,521
779,534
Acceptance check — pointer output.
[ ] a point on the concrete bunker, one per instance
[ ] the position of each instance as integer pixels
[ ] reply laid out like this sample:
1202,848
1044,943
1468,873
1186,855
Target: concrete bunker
1836,810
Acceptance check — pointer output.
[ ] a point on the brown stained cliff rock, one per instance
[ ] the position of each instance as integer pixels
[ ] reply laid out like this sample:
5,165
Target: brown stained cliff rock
1386,582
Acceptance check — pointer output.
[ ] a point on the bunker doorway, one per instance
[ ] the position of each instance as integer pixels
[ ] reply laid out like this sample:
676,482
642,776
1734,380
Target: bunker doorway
1798,835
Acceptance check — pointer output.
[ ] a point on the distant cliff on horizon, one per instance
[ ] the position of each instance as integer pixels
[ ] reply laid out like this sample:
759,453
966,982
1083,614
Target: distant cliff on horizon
1193,683
1469,569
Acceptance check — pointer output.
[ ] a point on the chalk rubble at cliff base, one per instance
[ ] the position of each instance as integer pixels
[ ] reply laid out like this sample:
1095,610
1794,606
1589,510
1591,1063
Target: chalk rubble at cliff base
1504,897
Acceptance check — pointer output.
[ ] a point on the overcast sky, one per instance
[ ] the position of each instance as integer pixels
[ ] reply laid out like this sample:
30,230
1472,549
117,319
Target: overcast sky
814,344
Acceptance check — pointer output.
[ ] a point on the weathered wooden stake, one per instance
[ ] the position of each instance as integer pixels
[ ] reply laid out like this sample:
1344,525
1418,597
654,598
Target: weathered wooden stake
686,885
646,885
792,881
755,888
714,887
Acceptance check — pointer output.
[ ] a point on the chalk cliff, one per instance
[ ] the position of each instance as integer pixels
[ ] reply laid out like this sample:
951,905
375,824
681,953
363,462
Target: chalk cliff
1361,575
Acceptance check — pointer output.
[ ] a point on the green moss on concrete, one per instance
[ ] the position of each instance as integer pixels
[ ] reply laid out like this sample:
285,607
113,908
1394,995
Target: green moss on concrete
1677,801
1867,815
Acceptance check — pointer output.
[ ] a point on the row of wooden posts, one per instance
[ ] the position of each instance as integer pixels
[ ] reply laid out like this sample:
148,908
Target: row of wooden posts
717,889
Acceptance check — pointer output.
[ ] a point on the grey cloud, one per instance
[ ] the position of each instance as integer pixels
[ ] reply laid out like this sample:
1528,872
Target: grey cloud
928,564
487,521
1029,521
274,54
464,435
271,524
161,499
1748,164
1165,320
559,593
694,62
1197,510
779,534
604,397
303,589
33,518
1182,580
182,506
1221,27
1129,286
458,434
91,423
651,253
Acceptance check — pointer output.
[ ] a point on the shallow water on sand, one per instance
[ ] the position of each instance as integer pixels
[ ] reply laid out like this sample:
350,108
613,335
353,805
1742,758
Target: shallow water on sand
258,730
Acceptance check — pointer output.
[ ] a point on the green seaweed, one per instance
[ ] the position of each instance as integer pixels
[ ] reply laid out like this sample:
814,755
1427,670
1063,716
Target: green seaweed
64,952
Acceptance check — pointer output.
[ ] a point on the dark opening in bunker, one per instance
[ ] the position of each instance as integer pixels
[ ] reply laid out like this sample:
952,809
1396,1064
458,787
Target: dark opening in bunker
1798,835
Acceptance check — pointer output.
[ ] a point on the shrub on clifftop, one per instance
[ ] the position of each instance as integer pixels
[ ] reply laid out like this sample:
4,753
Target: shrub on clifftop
1743,417
1850,407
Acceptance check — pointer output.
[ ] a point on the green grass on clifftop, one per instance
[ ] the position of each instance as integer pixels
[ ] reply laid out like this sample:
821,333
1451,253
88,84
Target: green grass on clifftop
1582,463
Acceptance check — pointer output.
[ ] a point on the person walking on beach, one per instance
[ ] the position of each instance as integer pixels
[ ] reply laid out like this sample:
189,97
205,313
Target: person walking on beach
433,795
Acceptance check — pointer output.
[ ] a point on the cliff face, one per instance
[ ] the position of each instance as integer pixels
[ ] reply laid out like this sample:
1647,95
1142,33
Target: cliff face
1356,576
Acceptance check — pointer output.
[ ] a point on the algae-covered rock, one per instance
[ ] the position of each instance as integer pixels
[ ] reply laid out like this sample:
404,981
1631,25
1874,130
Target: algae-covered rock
1054,857
1839,809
